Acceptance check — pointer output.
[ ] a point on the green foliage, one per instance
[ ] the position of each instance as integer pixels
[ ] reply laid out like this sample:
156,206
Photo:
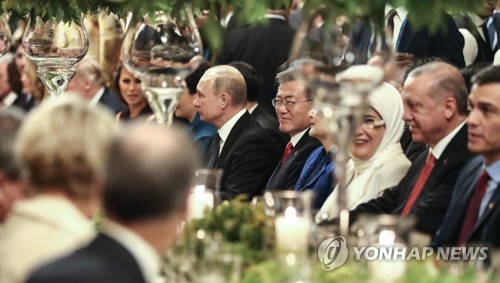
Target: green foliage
240,224
425,12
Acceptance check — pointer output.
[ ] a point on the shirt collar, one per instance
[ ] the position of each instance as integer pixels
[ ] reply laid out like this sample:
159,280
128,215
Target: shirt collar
275,16
476,19
438,150
145,255
95,100
296,138
402,12
494,171
228,126
9,98
253,108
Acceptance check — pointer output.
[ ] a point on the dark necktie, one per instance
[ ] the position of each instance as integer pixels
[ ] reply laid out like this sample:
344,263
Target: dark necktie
422,178
390,22
288,150
213,150
472,214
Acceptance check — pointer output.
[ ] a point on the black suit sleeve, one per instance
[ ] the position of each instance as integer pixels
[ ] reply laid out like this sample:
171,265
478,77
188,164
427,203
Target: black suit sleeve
385,204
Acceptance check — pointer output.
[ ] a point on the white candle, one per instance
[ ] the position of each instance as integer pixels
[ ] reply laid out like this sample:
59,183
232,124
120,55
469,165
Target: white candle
292,232
388,270
199,200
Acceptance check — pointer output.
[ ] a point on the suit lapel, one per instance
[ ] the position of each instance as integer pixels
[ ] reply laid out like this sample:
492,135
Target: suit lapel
495,199
232,137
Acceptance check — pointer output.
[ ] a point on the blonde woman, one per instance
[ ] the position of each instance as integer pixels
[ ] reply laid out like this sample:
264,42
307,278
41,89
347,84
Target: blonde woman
61,148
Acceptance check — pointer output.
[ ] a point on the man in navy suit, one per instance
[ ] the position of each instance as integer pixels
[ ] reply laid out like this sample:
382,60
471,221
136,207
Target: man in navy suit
435,98
474,213
293,104
149,172
90,82
241,147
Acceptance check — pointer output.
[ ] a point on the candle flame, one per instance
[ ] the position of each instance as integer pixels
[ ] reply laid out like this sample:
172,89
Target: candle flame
386,237
290,213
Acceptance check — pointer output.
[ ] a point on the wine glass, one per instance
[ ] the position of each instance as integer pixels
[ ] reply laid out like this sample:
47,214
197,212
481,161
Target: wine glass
55,47
162,52
323,60
5,34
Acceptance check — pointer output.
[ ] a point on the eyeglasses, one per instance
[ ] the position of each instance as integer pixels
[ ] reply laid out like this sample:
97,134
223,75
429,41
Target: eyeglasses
278,103
370,123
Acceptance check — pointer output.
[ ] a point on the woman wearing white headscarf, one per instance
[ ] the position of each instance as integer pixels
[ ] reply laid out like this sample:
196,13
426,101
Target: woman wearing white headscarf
378,162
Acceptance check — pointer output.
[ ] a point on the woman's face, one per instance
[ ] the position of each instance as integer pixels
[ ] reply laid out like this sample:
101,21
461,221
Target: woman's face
317,128
185,107
368,136
20,58
27,83
130,88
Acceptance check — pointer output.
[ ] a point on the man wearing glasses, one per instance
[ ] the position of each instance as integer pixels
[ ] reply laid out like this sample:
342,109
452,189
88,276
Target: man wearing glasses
292,104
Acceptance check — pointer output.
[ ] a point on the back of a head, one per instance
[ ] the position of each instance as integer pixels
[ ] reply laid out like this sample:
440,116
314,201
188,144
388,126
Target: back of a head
489,75
253,79
10,121
471,70
63,144
446,81
193,79
227,79
149,173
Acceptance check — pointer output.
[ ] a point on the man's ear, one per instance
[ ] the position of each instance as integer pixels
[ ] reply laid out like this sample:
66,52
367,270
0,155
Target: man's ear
225,99
450,107
88,84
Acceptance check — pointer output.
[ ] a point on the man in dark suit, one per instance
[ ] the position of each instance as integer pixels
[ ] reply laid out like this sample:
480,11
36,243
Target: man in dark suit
90,82
264,46
240,147
293,104
149,173
268,122
475,24
474,213
446,43
435,98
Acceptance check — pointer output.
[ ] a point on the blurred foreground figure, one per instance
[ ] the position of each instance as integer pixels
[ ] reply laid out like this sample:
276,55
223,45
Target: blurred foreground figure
61,148
149,173
10,185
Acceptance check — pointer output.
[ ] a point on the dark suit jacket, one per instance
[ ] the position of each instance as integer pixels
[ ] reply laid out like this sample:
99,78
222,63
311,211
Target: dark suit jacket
271,125
487,229
111,100
25,102
434,199
285,176
265,47
484,53
447,44
104,260
247,158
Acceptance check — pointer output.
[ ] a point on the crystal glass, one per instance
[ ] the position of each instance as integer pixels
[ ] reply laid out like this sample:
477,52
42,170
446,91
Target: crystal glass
292,216
162,52
5,34
55,47
323,62
204,194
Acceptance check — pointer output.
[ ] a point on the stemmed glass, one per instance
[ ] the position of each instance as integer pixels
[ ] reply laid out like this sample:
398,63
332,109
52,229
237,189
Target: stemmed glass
322,60
55,47
162,52
5,34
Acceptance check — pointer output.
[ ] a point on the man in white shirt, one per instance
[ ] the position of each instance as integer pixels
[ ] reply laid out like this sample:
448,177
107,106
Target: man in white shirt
241,147
90,82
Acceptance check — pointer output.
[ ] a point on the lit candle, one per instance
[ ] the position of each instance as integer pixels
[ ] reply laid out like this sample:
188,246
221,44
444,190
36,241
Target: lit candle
199,200
292,231
388,270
